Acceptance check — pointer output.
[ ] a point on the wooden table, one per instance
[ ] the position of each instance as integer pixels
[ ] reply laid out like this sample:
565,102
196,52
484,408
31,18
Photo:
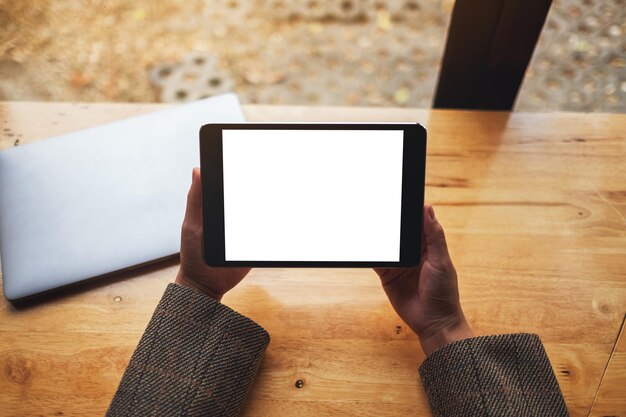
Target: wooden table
534,206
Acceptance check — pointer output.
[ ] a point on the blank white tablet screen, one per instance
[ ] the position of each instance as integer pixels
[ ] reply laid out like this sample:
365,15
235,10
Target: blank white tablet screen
312,195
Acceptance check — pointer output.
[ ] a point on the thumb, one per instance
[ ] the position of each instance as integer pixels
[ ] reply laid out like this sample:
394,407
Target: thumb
193,215
436,246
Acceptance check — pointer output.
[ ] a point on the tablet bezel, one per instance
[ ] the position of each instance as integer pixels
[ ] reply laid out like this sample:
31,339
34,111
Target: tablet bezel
413,178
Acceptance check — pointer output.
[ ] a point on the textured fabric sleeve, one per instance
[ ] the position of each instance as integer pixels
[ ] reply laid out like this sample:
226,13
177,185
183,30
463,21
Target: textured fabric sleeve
197,357
503,375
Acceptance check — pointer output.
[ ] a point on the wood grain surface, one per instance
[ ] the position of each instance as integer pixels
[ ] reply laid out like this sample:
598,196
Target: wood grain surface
611,397
534,206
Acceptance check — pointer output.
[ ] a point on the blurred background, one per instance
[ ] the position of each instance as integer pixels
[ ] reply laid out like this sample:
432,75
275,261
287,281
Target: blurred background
309,52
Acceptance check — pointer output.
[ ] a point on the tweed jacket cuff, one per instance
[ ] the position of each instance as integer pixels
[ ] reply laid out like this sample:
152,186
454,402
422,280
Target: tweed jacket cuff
492,375
196,357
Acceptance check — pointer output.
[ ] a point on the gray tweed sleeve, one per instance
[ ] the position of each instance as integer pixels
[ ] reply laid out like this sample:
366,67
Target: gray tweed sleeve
197,357
502,375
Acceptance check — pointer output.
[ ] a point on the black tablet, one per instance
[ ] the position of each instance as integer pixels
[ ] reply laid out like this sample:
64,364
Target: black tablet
312,195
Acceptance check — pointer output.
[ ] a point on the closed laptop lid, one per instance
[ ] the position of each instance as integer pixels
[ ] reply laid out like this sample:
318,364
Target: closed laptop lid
102,199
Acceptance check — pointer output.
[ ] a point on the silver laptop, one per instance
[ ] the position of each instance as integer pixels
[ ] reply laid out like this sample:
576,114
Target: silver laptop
99,200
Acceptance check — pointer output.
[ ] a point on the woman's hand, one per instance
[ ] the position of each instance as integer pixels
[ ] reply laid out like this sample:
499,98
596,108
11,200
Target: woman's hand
194,272
427,297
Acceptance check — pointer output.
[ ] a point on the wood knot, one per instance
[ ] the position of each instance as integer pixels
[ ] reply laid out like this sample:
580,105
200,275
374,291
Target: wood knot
117,299
566,371
17,370
604,307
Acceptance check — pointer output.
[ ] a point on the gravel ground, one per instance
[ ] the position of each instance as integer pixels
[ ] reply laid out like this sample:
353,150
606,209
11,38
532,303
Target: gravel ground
350,52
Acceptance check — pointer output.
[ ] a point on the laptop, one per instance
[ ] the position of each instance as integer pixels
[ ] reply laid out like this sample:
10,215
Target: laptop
100,200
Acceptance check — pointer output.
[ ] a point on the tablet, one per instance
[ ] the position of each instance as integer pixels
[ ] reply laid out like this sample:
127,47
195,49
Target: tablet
312,195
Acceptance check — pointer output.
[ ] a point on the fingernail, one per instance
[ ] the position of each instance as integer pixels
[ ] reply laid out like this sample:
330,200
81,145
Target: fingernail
431,212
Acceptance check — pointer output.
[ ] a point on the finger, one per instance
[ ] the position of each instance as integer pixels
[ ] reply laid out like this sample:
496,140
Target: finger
193,214
436,246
